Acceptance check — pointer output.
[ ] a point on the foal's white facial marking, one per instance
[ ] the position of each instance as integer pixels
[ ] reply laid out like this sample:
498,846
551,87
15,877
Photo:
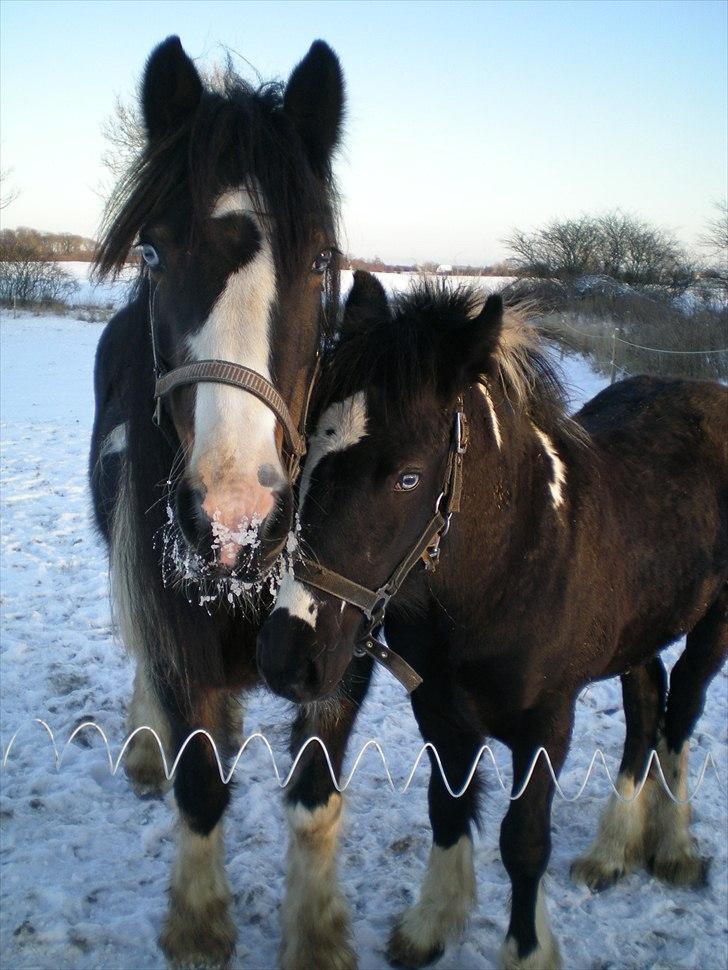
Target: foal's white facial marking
558,479
482,387
295,597
338,428
234,432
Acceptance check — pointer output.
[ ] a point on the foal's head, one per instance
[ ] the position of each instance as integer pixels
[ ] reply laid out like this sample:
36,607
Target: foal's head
376,464
232,206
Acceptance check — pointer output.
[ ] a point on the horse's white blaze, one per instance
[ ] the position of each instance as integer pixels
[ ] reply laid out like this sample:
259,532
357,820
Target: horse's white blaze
447,897
340,427
558,476
546,956
493,416
314,915
294,597
234,432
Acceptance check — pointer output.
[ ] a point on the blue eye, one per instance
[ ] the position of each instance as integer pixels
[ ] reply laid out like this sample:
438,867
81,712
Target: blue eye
407,481
150,256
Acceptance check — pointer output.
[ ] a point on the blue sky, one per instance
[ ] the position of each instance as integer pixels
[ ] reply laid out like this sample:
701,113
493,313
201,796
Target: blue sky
465,119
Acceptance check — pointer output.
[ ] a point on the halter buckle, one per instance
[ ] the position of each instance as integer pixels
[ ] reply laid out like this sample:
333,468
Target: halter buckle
461,432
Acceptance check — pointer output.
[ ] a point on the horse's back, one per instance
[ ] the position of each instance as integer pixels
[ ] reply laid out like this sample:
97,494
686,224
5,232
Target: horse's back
665,417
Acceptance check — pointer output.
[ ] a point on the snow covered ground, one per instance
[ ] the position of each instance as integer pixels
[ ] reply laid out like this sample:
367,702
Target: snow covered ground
85,863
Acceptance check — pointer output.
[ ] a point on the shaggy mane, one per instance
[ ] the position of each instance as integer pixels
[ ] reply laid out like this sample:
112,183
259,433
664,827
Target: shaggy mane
238,135
407,353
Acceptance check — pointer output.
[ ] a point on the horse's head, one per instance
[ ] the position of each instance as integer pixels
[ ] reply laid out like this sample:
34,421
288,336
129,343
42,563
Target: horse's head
376,465
232,206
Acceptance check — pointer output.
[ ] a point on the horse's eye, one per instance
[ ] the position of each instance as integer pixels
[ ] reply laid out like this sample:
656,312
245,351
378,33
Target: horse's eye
150,256
322,261
407,481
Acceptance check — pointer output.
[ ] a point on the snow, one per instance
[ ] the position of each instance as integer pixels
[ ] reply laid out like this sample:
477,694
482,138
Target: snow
85,863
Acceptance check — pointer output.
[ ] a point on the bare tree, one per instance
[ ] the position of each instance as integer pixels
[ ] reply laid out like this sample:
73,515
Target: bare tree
124,133
8,193
617,245
715,236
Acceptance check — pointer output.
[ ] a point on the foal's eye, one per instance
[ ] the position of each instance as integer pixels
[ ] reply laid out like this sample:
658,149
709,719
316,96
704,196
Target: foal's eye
322,261
150,255
407,481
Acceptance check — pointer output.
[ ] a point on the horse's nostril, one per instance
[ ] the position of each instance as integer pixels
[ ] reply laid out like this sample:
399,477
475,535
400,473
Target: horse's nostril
189,512
270,477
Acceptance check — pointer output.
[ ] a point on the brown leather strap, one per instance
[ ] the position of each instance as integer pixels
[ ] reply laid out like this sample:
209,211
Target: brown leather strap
310,572
391,661
236,375
373,603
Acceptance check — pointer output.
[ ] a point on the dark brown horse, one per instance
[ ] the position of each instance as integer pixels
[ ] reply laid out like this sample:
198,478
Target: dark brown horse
201,391
570,549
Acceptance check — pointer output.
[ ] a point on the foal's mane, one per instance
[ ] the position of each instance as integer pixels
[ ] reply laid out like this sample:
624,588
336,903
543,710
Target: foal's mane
239,134
409,352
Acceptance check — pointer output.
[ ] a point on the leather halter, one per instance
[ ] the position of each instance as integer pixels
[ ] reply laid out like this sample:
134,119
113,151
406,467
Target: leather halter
234,375
373,603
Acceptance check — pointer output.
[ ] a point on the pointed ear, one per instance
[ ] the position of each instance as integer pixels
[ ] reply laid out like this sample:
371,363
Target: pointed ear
367,300
171,89
474,345
314,101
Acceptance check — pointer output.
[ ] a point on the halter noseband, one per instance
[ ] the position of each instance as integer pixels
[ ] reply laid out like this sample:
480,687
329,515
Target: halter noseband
373,603
234,375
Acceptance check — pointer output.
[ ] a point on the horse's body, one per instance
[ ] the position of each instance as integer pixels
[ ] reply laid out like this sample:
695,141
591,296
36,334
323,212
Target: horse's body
583,547
233,206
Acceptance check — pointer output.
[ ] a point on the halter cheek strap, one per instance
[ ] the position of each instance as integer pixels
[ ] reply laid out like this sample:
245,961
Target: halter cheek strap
373,603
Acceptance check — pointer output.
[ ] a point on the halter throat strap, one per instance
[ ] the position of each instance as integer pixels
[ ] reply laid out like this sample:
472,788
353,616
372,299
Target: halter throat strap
373,603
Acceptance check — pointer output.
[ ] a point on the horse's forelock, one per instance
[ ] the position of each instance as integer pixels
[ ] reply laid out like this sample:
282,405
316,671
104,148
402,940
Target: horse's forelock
237,136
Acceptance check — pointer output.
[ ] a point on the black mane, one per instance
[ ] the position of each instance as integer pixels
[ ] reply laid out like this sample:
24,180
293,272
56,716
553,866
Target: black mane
237,135
412,350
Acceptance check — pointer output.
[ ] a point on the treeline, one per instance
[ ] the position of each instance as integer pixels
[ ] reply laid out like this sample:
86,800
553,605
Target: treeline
377,265
24,243
617,245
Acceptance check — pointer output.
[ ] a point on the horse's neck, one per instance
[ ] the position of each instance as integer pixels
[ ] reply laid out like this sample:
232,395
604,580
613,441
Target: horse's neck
515,507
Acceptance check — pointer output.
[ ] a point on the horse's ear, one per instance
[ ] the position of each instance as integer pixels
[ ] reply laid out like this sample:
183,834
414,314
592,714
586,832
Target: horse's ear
314,101
367,300
476,343
171,89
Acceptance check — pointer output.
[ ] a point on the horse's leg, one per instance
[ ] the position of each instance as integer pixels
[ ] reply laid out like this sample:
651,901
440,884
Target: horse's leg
198,929
143,762
619,846
315,925
525,839
671,853
447,894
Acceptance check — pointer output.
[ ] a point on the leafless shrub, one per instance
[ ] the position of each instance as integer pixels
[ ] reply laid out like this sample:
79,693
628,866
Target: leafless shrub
616,245
26,280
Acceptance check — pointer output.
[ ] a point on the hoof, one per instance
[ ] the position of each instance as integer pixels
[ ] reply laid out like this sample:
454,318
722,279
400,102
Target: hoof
684,869
544,957
144,768
318,954
192,940
402,951
595,873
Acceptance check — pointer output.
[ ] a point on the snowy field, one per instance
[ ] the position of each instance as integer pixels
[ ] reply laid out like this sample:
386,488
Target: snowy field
85,863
